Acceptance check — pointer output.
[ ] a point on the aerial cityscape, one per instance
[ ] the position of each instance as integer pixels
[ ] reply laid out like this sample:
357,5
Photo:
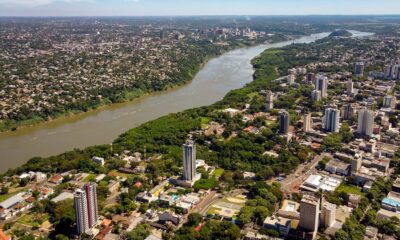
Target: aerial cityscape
225,120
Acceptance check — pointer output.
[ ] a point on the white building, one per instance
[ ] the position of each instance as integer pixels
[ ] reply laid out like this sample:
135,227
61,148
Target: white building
307,122
321,84
99,160
86,208
365,122
189,160
331,120
269,101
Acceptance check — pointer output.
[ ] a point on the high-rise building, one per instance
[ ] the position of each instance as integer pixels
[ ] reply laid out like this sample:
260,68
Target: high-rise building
350,87
388,71
189,160
348,111
291,78
86,211
162,35
316,95
331,120
269,101
396,72
310,77
307,122
365,122
389,102
321,84
284,121
328,214
309,213
359,69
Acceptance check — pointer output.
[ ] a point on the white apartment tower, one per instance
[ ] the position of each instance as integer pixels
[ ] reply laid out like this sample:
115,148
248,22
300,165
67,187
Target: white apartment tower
189,160
307,122
365,122
269,101
86,211
309,213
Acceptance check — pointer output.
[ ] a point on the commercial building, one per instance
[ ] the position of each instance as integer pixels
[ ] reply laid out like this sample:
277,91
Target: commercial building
86,208
269,101
321,84
284,121
331,120
365,122
189,161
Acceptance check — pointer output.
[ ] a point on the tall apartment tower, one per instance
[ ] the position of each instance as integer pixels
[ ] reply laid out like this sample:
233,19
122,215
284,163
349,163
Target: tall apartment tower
284,121
189,160
389,102
309,213
316,95
86,211
321,84
328,214
291,78
310,77
348,111
359,69
269,101
365,122
331,120
350,87
307,122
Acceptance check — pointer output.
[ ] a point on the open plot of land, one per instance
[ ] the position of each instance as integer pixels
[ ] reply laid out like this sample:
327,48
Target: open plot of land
228,207
349,189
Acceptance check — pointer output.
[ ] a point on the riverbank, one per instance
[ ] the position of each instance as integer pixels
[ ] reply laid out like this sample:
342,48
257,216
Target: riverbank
220,75
175,126
129,95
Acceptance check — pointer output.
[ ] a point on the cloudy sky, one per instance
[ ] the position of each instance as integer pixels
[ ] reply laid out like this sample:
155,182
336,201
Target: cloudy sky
194,7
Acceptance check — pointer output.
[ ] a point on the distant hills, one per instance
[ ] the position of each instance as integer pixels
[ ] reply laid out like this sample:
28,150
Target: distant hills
341,33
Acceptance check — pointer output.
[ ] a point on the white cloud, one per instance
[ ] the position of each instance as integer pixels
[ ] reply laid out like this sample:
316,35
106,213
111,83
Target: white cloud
26,3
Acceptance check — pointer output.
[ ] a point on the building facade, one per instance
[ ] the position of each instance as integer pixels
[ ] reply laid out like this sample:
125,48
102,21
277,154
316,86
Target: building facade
331,120
321,84
284,121
365,122
86,208
189,160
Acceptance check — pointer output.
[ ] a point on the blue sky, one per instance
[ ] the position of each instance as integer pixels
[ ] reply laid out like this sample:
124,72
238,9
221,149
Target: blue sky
194,7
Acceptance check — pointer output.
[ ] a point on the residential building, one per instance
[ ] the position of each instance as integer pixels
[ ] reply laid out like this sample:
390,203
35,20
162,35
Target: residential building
348,111
328,214
309,213
365,122
359,69
350,87
321,84
189,160
290,79
284,121
269,101
307,122
86,208
316,95
331,120
389,102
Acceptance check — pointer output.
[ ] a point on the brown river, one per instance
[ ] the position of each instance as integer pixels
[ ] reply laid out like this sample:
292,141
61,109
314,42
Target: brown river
229,71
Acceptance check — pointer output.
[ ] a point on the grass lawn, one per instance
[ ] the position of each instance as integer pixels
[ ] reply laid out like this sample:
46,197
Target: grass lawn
12,192
31,220
119,174
206,183
349,189
218,172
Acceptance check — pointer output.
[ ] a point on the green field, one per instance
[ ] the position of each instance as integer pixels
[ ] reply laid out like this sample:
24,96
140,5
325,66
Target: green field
349,189
218,172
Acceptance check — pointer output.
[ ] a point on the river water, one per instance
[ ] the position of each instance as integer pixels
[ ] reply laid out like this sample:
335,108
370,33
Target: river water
230,71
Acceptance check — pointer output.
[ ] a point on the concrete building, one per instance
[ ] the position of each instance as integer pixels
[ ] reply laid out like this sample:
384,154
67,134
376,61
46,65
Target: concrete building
328,214
356,163
99,160
269,101
350,87
309,214
284,121
189,160
359,69
310,77
348,111
291,79
321,84
365,122
389,102
316,95
331,120
86,208
307,122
